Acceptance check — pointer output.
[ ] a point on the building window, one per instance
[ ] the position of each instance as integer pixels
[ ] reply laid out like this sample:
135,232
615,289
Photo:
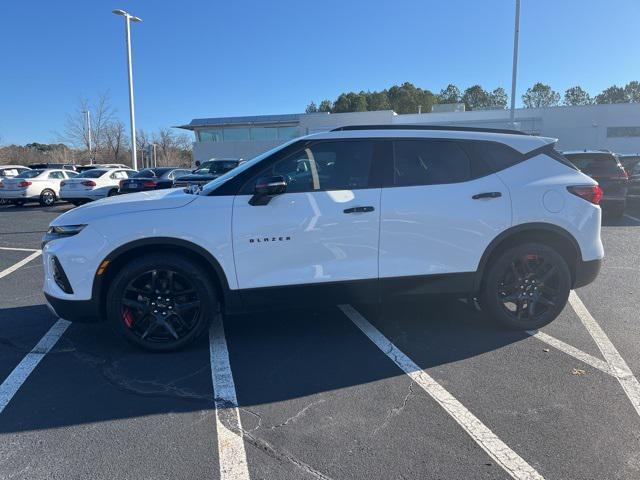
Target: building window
264,133
616,132
236,134
210,135
287,133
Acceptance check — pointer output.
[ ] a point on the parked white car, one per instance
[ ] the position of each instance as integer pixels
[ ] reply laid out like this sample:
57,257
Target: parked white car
353,215
94,184
10,171
36,185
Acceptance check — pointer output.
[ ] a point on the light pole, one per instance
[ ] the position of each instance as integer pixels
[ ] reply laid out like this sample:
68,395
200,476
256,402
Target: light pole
88,113
514,74
128,18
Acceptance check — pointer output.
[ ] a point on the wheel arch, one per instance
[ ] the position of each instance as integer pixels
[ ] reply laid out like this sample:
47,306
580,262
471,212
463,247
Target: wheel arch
119,256
548,234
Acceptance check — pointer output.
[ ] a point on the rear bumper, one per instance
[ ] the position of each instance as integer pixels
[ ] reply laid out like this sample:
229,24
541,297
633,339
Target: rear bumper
586,272
87,311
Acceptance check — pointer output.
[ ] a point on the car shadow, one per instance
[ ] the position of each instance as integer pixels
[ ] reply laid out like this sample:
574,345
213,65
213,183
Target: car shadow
91,375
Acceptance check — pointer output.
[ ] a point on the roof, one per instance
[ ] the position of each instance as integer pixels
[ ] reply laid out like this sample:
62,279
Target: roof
14,166
248,120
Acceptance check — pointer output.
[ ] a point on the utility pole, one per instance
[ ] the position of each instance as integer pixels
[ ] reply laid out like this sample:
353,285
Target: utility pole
514,74
128,18
88,117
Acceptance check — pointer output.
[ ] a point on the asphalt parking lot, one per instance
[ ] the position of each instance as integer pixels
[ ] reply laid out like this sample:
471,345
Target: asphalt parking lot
420,390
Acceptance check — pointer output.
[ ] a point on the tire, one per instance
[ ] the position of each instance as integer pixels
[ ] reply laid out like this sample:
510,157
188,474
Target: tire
151,315
526,287
47,198
112,192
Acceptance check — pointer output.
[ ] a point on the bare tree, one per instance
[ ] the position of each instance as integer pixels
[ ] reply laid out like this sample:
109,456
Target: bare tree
172,149
116,141
76,132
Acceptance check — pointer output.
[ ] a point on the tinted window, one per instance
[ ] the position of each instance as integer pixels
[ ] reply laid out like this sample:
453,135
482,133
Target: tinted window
93,173
430,162
59,175
146,173
341,165
594,162
216,167
495,155
71,174
29,174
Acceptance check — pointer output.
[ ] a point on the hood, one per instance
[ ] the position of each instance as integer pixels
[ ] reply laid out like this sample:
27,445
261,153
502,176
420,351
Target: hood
129,203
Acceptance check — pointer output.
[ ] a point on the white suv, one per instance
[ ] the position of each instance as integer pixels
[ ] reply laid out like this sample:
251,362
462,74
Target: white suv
352,215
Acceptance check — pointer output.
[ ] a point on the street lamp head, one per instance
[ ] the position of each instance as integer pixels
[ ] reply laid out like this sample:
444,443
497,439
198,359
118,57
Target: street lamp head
135,19
120,12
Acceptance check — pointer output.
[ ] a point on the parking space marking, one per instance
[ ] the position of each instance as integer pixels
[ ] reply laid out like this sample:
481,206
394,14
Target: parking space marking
27,365
19,249
509,460
631,217
21,263
573,351
618,366
231,452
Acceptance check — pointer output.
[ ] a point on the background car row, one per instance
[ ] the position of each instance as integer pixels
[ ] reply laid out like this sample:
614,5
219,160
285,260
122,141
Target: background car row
47,183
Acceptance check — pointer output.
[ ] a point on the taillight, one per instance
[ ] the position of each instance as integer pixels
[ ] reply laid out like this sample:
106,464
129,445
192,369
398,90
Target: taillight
24,183
590,193
149,183
89,183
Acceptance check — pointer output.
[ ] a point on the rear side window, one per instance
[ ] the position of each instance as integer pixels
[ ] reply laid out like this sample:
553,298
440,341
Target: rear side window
495,155
430,162
56,175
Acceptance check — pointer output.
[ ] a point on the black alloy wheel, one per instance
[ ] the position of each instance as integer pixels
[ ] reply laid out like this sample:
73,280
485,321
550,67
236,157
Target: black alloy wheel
161,302
47,198
527,287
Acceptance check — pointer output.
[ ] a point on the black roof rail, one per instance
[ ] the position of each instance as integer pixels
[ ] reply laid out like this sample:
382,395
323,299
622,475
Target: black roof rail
452,128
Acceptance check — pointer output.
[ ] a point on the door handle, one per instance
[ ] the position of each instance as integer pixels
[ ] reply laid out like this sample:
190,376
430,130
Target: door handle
478,196
359,209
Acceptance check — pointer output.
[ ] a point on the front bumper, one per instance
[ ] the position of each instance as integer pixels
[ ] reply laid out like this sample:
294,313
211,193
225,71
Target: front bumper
87,311
586,272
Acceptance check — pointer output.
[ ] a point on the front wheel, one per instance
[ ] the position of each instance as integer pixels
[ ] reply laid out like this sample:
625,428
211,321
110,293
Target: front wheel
161,302
526,287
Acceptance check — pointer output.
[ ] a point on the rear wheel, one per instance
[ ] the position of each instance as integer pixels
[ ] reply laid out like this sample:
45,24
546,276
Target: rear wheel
112,192
47,197
161,302
526,287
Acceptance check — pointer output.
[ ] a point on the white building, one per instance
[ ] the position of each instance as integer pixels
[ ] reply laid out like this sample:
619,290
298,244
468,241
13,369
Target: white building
612,127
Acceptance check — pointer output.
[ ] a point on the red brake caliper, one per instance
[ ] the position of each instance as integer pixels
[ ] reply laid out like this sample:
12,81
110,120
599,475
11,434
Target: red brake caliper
127,317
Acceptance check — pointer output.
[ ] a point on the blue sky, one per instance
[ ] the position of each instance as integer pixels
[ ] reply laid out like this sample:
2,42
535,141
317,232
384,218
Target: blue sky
216,58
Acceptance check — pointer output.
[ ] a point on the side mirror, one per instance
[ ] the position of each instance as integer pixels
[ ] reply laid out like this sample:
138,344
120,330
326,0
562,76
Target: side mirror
266,188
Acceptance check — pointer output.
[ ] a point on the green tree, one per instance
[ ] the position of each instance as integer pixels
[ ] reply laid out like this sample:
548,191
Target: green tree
311,108
632,91
451,94
498,98
613,94
325,106
350,102
540,95
406,98
475,97
577,96
378,101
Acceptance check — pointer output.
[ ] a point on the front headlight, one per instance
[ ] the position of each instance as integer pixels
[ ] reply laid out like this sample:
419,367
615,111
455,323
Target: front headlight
56,232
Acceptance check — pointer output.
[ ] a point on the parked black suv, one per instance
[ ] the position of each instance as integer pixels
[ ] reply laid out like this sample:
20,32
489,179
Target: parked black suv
605,168
208,171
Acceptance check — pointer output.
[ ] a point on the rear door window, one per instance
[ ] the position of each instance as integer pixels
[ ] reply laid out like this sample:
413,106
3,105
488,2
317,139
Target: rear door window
430,162
57,175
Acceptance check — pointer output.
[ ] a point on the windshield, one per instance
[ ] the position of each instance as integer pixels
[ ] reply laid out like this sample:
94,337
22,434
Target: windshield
213,184
30,174
216,167
93,173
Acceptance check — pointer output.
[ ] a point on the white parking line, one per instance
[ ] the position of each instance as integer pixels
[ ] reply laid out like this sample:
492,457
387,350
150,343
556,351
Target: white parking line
231,453
20,249
618,366
21,263
480,433
573,351
632,217
20,374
